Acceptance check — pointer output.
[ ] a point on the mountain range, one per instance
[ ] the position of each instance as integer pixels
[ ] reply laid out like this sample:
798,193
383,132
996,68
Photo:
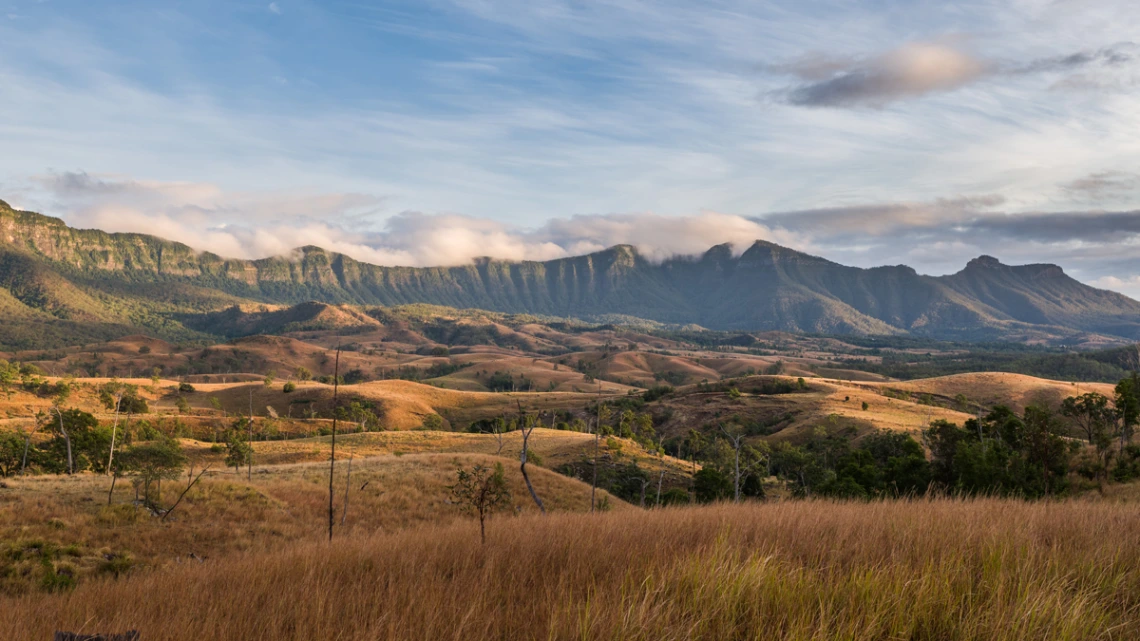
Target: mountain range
61,285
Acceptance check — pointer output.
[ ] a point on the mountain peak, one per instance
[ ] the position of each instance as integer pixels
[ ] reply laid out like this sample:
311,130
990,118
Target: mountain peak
984,262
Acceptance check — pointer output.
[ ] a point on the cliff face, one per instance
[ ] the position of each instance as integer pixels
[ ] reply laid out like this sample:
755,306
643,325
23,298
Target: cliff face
58,272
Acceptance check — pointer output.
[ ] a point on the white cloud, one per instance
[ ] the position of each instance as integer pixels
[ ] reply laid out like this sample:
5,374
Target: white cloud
274,8
256,225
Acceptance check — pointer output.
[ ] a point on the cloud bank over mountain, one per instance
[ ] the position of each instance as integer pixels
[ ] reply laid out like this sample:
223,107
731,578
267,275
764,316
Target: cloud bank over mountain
936,237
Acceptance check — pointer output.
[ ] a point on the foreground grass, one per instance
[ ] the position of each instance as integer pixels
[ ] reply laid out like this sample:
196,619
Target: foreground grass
936,570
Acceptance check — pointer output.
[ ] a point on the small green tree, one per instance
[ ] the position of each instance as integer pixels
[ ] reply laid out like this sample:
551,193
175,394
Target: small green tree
710,484
11,454
270,376
238,453
150,463
182,404
482,490
9,376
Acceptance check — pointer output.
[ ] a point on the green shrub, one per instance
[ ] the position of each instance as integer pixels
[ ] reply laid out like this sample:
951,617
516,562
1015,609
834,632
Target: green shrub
289,387
185,387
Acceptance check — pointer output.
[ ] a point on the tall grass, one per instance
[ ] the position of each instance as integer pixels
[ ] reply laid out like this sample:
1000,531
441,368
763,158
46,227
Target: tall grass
938,570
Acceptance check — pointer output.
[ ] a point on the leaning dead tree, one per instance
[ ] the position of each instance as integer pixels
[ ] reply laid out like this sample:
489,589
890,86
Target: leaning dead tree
192,481
332,452
526,426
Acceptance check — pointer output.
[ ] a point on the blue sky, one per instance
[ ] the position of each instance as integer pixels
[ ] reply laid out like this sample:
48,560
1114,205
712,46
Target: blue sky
430,132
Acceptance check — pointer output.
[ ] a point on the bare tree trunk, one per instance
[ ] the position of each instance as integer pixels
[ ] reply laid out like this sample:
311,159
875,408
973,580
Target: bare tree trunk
114,429
332,451
526,431
111,493
27,444
249,438
67,439
499,434
597,439
660,479
736,443
347,484
736,498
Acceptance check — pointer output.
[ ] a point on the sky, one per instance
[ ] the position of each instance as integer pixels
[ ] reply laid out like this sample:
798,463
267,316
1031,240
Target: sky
430,132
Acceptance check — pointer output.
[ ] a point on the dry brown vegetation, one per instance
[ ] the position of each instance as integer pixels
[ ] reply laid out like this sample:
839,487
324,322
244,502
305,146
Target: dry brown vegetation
226,513
939,570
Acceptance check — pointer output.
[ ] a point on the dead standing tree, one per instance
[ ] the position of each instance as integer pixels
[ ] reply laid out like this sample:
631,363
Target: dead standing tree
602,415
526,426
332,451
737,440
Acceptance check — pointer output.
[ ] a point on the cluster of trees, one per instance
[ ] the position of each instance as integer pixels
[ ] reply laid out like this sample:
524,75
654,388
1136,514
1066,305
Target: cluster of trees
1088,366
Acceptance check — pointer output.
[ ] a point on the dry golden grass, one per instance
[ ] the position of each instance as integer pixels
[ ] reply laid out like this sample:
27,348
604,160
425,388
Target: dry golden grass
227,513
555,447
985,570
993,388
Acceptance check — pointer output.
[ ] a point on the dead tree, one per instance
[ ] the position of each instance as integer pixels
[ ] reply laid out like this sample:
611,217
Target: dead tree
27,445
737,440
67,439
114,430
498,429
249,438
332,451
189,485
347,484
597,443
526,427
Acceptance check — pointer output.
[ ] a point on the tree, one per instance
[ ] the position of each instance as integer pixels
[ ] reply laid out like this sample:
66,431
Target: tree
603,415
238,453
1127,398
111,395
1045,446
1095,418
1092,414
151,463
303,373
736,439
481,490
270,376
9,375
710,484
11,453
182,404
332,450
526,426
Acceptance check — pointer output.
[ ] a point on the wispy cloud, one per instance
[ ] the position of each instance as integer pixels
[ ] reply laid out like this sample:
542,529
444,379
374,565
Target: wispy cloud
274,8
